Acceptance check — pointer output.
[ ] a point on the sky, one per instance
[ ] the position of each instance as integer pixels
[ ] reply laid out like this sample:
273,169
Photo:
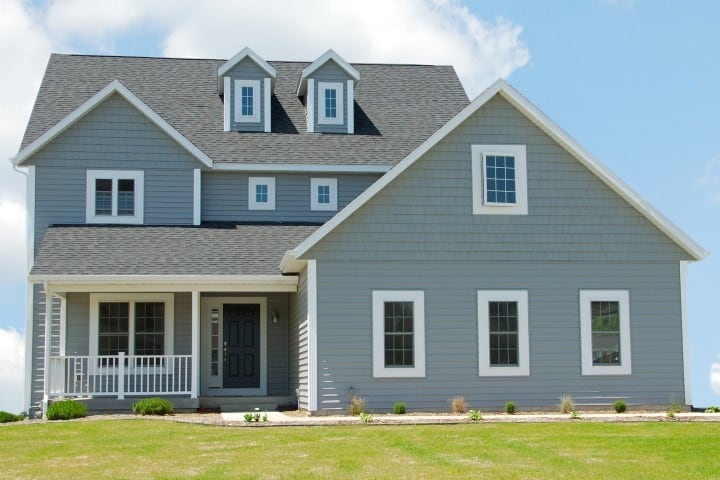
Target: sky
633,81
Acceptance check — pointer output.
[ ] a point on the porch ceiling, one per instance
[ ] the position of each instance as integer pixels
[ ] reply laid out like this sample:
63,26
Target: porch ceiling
165,254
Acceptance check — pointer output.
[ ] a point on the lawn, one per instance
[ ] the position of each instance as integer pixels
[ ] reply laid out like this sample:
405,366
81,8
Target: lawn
161,449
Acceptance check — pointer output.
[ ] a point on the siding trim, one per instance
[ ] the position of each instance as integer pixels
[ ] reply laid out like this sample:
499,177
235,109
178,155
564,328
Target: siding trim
550,128
30,216
685,333
240,56
350,107
310,106
29,316
268,106
197,196
226,103
312,303
112,88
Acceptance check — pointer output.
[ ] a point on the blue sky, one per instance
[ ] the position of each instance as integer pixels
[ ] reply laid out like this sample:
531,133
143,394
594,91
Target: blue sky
634,82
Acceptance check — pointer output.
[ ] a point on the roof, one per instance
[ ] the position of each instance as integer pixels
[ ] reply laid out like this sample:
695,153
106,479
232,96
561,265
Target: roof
222,249
500,87
397,108
329,56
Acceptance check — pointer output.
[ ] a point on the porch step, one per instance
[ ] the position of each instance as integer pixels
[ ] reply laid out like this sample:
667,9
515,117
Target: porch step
245,404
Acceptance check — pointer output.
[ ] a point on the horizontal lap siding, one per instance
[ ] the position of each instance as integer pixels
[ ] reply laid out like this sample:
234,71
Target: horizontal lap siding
419,233
225,196
78,324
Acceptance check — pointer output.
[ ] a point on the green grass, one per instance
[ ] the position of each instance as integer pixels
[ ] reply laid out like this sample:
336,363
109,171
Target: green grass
161,449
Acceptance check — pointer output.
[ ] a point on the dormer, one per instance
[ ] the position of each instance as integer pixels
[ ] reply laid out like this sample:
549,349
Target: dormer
328,85
246,82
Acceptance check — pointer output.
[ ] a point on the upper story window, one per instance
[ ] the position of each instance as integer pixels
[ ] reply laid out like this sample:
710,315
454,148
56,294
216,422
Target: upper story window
114,196
261,193
503,333
605,332
330,103
323,194
499,179
247,100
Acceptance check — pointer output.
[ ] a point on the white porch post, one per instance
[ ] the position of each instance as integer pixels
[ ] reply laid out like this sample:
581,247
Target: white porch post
195,365
48,345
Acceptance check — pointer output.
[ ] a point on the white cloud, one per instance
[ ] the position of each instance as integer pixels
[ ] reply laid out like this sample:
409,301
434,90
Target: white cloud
715,377
12,241
12,362
709,181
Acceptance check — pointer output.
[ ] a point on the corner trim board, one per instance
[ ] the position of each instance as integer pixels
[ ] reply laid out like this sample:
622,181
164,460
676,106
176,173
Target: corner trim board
312,336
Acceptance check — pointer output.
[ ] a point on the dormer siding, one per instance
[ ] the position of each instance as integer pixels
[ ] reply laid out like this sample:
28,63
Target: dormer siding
331,74
246,71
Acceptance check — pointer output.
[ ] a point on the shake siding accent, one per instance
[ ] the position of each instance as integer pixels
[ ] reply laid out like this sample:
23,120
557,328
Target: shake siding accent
246,70
224,196
419,233
298,342
345,332
330,72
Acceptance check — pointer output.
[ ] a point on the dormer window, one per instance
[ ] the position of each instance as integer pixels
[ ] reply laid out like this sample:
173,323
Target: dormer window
330,109
247,101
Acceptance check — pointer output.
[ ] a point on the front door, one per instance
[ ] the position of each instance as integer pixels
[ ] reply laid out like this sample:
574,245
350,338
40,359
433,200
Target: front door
241,346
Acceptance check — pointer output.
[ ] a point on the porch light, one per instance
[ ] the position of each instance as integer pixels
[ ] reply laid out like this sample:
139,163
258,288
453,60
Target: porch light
275,316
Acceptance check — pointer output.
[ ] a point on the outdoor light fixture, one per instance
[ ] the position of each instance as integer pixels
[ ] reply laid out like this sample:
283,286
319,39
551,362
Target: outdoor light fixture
275,316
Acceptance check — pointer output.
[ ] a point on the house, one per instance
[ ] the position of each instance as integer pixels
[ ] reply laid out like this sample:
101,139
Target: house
223,230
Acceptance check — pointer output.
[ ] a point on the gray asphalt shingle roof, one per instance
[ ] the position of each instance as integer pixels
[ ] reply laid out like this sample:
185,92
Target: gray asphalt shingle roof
397,107
159,250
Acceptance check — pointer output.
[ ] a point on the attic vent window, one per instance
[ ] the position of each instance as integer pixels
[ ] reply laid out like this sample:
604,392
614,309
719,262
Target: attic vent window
247,101
330,103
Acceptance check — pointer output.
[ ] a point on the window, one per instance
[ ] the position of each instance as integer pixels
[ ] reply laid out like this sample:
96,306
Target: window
261,193
330,103
323,194
114,196
503,333
140,324
398,334
605,332
247,101
499,179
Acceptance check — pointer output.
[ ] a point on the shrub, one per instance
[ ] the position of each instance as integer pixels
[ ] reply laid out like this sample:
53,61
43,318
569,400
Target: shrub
153,406
574,415
712,409
567,404
620,406
6,417
248,417
399,408
65,410
475,415
458,405
357,405
366,417
510,407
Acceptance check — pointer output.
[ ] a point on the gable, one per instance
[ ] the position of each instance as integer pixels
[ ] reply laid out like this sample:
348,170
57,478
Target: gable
424,205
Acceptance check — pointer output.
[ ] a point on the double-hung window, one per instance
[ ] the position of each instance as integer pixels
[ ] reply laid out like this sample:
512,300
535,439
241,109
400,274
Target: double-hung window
247,101
503,333
114,196
323,194
330,103
605,332
398,333
138,324
499,179
261,193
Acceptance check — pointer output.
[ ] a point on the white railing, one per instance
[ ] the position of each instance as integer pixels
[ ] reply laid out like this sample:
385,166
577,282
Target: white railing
120,375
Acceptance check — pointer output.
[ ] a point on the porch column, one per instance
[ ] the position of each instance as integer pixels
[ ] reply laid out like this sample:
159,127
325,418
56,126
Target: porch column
48,346
195,366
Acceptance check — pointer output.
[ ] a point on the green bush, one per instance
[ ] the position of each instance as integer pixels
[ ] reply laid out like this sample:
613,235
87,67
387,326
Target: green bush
620,406
510,407
6,417
399,408
475,415
712,409
153,406
65,410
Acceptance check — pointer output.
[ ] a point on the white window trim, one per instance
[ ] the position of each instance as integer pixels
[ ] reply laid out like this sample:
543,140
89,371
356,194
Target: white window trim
131,298
480,206
379,297
255,181
314,201
239,117
322,119
484,367
623,298
137,175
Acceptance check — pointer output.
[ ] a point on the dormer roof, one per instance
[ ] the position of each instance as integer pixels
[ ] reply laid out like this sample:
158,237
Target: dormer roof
330,55
239,57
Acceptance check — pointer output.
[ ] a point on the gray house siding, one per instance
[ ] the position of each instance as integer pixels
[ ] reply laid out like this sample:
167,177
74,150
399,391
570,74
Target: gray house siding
225,196
246,70
330,72
298,342
419,233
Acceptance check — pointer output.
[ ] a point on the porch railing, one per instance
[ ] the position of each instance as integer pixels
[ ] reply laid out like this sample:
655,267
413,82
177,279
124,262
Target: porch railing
120,375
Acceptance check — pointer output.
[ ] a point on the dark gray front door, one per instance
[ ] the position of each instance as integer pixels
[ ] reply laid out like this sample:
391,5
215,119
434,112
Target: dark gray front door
241,346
